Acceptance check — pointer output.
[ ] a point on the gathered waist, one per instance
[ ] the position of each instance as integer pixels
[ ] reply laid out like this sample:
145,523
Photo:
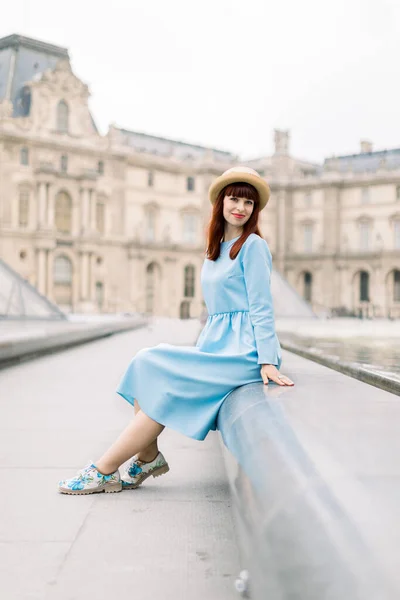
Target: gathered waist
229,312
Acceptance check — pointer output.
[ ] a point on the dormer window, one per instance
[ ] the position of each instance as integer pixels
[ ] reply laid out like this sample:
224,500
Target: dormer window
62,117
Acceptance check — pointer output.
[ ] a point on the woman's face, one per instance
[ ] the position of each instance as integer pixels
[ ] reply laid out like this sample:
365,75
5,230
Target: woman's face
237,211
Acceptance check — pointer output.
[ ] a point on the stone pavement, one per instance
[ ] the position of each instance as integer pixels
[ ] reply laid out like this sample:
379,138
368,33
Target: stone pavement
173,538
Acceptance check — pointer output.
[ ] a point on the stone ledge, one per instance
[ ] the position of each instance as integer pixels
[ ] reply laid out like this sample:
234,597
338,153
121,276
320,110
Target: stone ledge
21,346
389,384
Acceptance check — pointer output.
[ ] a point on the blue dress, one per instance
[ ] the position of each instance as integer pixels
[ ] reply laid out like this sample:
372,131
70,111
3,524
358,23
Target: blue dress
183,387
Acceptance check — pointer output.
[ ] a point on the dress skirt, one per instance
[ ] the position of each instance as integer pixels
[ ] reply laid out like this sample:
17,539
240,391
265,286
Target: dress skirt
183,387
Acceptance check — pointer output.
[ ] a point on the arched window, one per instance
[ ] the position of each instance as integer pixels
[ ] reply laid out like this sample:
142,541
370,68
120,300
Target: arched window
153,281
23,208
62,279
189,281
62,117
63,212
396,285
307,286
364,286
24,156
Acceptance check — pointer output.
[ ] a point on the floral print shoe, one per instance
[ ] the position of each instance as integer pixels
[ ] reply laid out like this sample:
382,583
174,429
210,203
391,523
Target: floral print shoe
137,471
90,481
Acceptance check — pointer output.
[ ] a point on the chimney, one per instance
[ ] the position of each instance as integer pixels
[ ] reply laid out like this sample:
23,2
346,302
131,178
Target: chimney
281,138
365,146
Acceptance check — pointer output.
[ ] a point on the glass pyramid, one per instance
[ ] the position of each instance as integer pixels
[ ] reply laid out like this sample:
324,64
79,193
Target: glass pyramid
287,302
20,300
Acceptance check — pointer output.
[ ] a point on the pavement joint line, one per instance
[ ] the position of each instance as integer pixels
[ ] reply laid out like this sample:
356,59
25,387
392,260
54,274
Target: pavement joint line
72,544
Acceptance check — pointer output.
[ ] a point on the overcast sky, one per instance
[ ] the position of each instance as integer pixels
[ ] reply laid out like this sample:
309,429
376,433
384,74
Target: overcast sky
225,73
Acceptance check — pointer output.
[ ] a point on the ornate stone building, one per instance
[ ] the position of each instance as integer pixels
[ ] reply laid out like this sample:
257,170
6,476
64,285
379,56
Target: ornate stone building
117,222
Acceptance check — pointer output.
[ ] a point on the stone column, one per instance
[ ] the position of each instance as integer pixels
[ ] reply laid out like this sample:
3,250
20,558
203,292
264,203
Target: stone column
331,220
41,270
84,287
92,205
49,271
50,206
84,210
42,205
92,287
280,230
169,288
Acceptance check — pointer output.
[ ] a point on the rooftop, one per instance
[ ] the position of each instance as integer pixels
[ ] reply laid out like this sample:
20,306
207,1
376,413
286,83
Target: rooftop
365,161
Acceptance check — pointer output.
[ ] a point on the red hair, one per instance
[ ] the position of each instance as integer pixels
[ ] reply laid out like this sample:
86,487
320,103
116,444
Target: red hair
216,226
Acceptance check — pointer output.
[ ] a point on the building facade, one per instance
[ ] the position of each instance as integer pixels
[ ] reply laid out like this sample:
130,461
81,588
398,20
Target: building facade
117,222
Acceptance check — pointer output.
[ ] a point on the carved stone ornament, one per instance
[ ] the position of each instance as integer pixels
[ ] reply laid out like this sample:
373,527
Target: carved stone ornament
62,79
6,109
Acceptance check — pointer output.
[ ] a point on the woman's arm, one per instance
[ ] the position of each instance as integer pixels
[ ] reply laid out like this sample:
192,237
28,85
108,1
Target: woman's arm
257,266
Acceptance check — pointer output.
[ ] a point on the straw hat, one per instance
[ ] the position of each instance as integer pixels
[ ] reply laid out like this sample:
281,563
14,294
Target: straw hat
240,175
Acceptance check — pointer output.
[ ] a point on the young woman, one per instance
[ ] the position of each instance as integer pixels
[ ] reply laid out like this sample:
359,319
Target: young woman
183,387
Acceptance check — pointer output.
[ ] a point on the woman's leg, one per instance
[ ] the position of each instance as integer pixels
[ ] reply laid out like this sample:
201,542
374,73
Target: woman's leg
136,437
147,454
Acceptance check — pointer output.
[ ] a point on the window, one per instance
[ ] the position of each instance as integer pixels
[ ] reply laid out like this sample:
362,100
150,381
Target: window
62,117
307,290
190,225
190,184
150,178
364,286
364,236
99,294
64,163
398,193
397,235
62,277
23,209
150,226
396,286
100,167
308,237
184,311
189,281
63,212
365,195
24,156
308,199
100,211
62,270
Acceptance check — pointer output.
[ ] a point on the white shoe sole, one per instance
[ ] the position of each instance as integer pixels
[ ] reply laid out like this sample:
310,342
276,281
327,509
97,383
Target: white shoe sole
154,473
108,489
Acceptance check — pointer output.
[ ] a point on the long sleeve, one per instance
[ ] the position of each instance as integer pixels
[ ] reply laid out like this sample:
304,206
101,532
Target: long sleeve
257,266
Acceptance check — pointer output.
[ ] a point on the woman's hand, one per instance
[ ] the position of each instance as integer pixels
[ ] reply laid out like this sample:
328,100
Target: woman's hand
270,372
